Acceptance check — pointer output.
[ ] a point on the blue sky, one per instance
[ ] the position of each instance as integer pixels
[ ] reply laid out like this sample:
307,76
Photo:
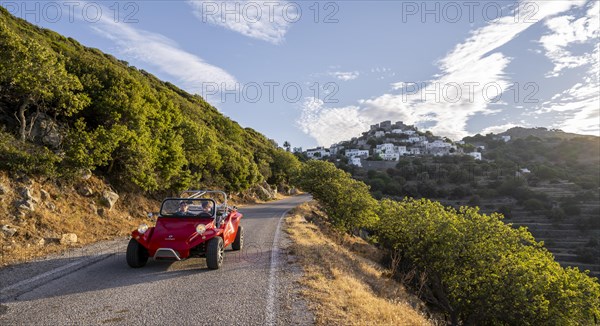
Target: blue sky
315,73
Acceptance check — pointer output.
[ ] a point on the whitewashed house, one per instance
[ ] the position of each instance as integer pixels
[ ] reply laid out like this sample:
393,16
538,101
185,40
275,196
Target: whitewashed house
317,153
414,151
354,152
414,139
475,155
438,143
393,156
522,172
355,161
387,147
379,134
389,152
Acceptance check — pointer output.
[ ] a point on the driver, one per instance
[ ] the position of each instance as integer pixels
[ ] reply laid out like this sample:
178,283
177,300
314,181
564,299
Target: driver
183,209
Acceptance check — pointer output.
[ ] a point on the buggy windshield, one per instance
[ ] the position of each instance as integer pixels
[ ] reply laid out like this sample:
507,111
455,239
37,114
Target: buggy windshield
188,207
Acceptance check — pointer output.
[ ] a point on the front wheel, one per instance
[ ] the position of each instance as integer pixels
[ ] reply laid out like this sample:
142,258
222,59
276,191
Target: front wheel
238,243
214,253
137,255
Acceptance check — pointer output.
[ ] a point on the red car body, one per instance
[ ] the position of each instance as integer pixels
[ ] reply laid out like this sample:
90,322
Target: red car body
181,235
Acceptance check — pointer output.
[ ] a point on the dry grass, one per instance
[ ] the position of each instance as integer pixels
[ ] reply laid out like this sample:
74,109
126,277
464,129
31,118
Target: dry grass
343,287
72,214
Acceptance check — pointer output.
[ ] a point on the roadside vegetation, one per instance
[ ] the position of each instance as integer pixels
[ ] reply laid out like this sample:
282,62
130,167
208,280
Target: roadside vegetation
471,266
72,108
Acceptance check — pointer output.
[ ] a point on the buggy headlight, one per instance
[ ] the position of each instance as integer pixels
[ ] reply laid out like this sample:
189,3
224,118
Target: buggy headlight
200,228
142,228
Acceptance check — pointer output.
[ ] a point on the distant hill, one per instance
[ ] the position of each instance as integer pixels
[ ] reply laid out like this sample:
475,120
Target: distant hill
546,180
540,132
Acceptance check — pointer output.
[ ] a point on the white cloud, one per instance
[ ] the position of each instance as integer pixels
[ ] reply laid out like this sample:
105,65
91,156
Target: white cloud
344,75
567,31
578,107
264,20
329,125
188,70
469,69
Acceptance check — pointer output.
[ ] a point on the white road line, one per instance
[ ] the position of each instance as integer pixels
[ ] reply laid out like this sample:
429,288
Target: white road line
271,309
41,276
84,262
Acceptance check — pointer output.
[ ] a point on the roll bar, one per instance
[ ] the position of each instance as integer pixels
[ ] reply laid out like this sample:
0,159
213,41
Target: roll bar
200,193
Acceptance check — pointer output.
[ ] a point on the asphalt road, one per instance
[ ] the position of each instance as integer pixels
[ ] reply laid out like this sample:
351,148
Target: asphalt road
99,288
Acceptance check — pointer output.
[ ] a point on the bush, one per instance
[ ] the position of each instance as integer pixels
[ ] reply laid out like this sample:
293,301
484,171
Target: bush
481,271
346,201
475,200
506,211
23,158
556,214
533,205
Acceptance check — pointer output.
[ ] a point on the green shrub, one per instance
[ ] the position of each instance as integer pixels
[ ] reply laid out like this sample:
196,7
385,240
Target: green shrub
481,271
23,158
346,201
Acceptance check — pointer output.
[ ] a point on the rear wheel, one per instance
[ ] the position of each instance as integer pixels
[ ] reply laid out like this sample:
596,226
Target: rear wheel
214,253
238,243
137,255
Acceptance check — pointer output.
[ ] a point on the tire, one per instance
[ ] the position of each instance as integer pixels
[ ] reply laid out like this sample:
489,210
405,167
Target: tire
238,243
214,253
137,255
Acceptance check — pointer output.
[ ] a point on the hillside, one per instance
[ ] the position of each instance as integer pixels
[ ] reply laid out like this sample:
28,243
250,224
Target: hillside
540,132
546,180
76,123
83,109
471,267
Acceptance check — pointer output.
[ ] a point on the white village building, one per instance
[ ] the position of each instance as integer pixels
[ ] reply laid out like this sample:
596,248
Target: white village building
379,134
355,161
475,155
317,153
352,152
389,152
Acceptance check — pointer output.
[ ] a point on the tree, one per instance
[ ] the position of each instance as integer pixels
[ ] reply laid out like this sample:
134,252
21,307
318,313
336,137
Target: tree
287,146
31,76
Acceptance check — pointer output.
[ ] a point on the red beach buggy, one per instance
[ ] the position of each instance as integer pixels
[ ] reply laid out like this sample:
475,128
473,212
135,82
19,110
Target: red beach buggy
193,225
